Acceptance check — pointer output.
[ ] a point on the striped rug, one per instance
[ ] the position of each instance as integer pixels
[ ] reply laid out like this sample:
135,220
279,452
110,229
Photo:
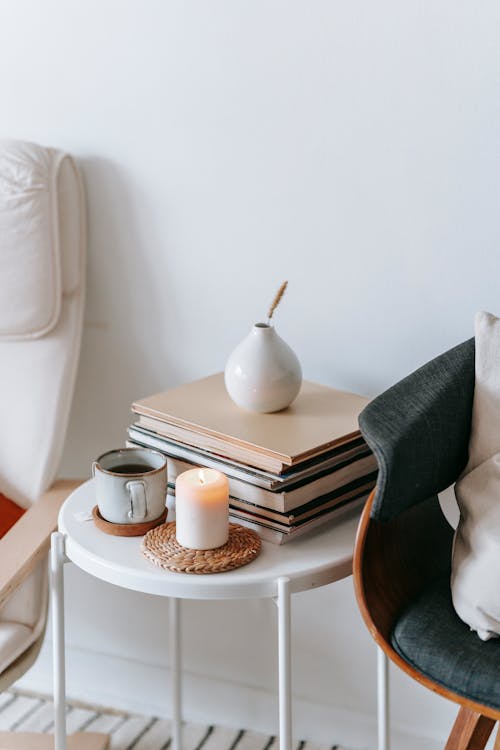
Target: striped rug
23,712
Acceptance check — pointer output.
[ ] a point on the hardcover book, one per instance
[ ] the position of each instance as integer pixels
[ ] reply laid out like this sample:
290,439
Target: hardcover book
271,534
201,414
352,491
287,500
356,448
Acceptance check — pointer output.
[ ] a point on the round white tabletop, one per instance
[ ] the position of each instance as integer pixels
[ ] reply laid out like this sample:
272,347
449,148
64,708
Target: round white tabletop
310,561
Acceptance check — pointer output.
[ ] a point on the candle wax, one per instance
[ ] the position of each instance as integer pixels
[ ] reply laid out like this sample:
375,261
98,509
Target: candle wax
202,509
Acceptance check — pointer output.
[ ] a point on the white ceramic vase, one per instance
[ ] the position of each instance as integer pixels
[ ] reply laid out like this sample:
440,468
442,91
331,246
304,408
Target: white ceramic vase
263,373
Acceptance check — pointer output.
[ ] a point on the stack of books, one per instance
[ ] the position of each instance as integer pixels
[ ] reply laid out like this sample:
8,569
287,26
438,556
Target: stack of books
289,472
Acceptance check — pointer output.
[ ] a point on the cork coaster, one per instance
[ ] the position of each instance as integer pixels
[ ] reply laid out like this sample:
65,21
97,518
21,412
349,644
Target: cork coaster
126,529
162,548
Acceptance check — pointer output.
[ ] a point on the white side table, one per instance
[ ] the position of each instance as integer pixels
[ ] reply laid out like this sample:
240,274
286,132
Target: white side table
278,572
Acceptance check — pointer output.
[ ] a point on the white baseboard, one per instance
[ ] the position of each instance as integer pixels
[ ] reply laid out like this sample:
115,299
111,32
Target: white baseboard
111,681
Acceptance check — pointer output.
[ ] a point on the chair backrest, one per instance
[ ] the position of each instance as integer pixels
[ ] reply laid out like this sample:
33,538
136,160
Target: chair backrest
42,282
419,431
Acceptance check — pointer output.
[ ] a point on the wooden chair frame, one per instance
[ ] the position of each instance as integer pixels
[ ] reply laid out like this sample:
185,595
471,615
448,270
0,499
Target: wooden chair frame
393,562
24,546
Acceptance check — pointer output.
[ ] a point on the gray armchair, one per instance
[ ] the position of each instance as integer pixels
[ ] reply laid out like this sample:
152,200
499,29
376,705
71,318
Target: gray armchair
419,431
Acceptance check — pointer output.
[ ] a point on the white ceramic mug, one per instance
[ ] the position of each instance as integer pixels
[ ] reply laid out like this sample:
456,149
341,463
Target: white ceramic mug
131,485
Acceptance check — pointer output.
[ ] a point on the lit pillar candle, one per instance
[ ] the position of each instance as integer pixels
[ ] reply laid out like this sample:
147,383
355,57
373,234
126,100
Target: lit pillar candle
202,509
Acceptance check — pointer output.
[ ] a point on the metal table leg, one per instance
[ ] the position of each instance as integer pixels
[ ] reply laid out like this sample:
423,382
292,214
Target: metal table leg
285,653
175,662
57,558
384,741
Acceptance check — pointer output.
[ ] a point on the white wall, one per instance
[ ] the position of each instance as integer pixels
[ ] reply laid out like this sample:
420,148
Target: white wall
351,147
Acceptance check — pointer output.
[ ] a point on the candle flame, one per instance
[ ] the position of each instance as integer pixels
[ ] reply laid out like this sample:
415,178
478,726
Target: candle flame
201,477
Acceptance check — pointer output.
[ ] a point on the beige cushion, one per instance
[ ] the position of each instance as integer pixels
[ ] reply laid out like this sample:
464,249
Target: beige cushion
37,195
13,640
42,262
29,600
22,618
475,581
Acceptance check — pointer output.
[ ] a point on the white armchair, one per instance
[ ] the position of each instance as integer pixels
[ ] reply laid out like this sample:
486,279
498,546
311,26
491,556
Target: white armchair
42,283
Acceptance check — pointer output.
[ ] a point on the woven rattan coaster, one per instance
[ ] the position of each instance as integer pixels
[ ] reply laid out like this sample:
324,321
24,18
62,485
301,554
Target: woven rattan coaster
162,548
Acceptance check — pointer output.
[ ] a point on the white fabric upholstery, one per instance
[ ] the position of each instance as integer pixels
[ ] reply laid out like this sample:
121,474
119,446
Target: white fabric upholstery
42,265
37,373
35,266
476,550
13,640
22,618
29,601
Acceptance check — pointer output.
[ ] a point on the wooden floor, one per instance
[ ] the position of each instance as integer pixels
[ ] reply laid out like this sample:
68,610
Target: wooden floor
26,713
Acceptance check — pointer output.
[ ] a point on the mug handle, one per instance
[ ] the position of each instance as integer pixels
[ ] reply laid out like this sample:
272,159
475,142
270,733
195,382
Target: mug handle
138,506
